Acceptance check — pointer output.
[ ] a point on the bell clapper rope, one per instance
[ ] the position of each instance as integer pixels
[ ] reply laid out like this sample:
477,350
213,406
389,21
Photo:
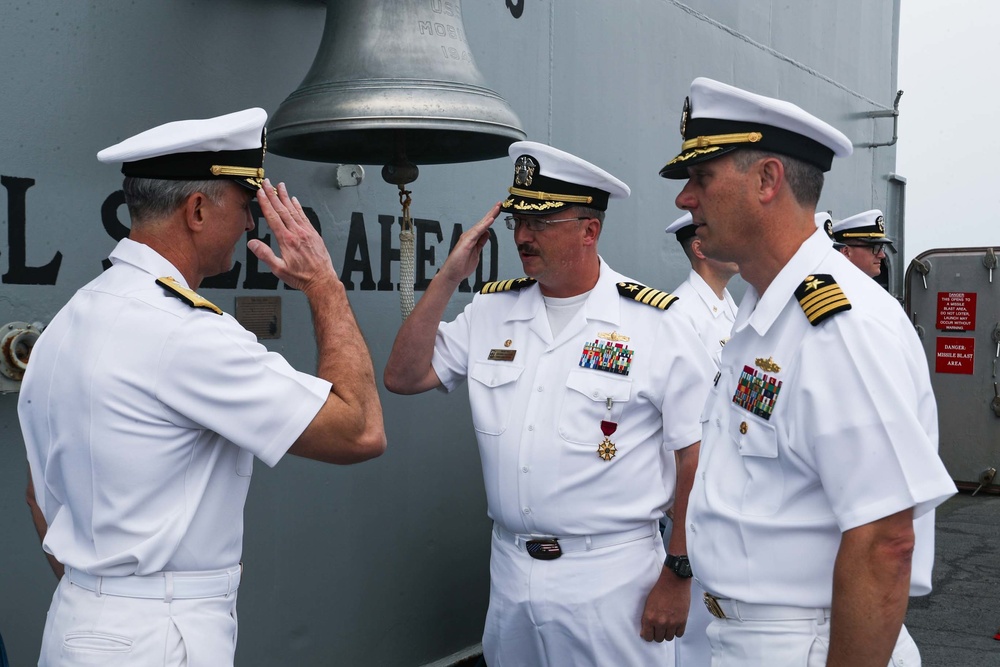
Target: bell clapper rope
407,263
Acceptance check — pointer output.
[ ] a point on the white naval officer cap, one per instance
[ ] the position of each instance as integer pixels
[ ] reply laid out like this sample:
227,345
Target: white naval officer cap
718,119
683,227
547,180
867,227
230,147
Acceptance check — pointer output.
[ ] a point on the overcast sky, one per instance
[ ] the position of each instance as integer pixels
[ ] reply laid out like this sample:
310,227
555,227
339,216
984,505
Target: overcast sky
949,123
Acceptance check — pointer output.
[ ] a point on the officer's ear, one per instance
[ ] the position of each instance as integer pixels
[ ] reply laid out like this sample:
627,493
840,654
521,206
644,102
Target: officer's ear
195,211
770,172
591,230
696,248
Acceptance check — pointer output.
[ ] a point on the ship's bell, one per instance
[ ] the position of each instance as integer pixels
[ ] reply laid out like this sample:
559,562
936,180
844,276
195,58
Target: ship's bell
394,82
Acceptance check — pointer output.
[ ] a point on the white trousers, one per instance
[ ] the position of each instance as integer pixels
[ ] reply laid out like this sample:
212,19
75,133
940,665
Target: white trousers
84,629
802,643
583,609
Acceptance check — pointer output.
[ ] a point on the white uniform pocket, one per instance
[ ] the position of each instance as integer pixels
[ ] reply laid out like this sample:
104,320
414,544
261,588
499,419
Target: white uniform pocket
584,406
757,443
492,394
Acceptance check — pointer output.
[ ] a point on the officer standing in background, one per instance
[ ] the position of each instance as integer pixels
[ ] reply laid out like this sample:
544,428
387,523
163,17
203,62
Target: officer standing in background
861,239
820,432
582,386
144,405
705,302
703,298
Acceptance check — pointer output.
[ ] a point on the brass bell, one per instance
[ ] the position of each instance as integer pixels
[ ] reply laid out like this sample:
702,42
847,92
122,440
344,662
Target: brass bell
393,83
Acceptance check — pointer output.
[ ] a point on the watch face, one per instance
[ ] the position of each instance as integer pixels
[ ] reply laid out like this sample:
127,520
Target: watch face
679,565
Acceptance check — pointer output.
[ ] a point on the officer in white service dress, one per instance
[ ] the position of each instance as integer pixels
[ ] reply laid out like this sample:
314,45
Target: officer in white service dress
861,239
820,432
144,405
705,302
582,386
703,298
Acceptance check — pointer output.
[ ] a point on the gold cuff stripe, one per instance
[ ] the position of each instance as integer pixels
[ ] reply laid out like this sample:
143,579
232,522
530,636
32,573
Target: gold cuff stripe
535,194
722,140
224,170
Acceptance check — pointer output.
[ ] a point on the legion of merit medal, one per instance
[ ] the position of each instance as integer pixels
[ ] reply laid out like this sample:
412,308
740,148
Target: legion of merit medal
607,450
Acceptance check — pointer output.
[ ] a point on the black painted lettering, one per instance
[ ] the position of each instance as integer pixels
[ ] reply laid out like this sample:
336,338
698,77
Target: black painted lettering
356,255
389,254
516,8
110,221
422,254
18,272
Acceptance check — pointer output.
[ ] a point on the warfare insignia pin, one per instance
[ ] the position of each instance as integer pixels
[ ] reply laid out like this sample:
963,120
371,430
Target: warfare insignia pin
757,392
614,336
767,365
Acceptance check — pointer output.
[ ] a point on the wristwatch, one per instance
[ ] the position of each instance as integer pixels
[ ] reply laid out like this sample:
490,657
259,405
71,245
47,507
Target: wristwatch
679,565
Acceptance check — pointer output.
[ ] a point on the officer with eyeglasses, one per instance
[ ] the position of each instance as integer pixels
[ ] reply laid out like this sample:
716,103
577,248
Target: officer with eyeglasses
861,239
582,385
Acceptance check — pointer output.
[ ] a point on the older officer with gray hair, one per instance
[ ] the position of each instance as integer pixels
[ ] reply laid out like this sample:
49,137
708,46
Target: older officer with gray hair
144,404
820,433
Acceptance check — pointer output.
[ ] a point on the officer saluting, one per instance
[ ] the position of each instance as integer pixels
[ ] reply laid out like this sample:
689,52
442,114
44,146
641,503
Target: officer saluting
820,432
582,386
144,405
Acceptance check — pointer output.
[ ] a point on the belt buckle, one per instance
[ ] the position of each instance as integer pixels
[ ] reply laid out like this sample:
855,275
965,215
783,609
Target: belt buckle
544,549
713,606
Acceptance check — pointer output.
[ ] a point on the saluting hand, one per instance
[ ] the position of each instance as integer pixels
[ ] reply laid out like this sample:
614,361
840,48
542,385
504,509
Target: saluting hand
464,257
304,262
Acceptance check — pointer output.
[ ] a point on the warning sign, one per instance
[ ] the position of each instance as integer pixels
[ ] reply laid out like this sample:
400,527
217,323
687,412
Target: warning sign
956,311
954,355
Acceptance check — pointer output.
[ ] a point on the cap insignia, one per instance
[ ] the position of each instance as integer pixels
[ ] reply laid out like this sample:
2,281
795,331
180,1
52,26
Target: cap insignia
186,295
646,295
821,297
880,221
684,117
524,170
828,228
513,284
768,365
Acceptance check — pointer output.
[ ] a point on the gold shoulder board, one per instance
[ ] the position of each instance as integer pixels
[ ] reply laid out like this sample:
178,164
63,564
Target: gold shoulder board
647,295
821,297
186,295
507,285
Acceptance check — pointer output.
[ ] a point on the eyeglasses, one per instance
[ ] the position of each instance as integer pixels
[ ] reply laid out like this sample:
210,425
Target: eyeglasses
876,248
535,224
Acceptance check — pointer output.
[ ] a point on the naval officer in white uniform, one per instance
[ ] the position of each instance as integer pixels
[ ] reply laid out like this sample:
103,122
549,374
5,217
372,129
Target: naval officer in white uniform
582,385
861,239
820,432
144,405
704,300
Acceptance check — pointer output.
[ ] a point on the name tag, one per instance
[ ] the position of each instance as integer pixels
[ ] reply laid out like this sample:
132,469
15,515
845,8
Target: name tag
497,354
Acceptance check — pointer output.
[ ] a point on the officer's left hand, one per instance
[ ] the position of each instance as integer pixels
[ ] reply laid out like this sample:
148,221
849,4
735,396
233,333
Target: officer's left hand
665,614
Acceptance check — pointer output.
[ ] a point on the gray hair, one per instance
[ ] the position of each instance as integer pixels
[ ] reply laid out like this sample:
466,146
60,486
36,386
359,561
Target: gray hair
150,199
805,180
